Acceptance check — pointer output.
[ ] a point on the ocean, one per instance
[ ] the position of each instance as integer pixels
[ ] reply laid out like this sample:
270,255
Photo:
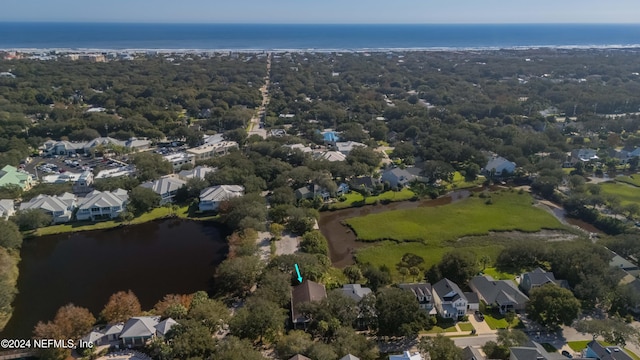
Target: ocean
119,36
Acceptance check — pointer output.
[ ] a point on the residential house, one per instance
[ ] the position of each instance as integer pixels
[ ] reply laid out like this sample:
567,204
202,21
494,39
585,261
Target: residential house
355,291
343,189
346,147
311,191
7,208
198,172
504,294
330,137
497,166
301,147
397,177
60,208
533,351
349,357
471,353
112,333
212,197
299,357
213,139
423,294
449,300
180,159
167,187
329,156
208,151
407,355
537,278
100,205
84,182
164,326
308,291
595,350
580,155
10,175
367,183
138,330
621,263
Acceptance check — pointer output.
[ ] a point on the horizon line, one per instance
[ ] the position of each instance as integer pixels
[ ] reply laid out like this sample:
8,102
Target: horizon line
142,22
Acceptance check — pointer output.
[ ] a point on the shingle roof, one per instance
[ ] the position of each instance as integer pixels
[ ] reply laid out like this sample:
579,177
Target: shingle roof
142,326
447,290
104,199
299,357
355,291
165,325
221,192
470,353
498,291
308,291
349,357
50,203
197,172
418,289
609,352
165,184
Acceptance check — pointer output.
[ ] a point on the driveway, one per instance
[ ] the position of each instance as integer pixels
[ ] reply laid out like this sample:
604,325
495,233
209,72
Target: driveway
288,244
481,326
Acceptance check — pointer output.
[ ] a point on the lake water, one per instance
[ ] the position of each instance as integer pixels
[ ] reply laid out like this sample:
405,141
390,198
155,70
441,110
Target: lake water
152,260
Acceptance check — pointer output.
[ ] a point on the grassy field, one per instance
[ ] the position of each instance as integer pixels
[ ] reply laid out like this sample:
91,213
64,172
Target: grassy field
626,193
459,182
508,211
354,198
438,330
499,275
631,180
498,322
155,214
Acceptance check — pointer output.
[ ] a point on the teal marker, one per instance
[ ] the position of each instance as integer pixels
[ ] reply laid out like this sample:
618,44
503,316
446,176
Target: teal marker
298,272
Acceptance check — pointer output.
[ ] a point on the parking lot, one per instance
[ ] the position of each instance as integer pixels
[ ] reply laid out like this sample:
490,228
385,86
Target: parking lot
42,166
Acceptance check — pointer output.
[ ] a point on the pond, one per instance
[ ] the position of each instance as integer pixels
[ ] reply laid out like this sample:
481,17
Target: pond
152,260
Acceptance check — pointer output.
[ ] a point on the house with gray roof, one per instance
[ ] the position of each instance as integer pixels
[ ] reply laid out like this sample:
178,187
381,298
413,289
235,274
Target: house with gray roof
102,205
355,291
7,208
497,165
423,294
60,208
164,326
198,172
349,357
533,351
308,291
167,187
471,353
597,351
397,177
504,294
449,300
138,330
619,262
537,278
347,146
212,197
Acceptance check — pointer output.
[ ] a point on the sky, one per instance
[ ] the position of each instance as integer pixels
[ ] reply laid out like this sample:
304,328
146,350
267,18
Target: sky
323,11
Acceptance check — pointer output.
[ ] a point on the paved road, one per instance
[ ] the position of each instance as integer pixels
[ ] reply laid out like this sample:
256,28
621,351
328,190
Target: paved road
254,126
475,341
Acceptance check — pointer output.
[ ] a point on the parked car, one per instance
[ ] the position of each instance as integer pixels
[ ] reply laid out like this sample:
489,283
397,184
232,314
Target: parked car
567,354
479,316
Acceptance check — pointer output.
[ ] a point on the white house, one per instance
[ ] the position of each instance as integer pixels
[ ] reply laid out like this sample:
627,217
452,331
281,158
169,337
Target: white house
407,355
210,198
346,147
498,165
99,205
166,187
449,300
7,208
330,156
59,207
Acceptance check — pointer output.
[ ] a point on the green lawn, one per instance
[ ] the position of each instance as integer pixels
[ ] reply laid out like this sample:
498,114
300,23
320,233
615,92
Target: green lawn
498,322
459,182
632,180
626,193
499,275
582,344
437,330
509,211
465,326
354,198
